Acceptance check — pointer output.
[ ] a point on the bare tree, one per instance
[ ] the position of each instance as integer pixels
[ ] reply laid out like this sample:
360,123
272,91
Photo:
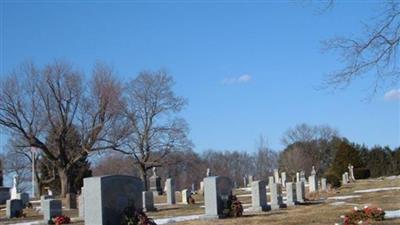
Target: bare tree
266,160
307,146
56,99
306,133
20,167
151,112
374,53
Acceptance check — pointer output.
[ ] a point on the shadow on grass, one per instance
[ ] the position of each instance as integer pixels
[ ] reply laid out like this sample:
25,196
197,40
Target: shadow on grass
311,203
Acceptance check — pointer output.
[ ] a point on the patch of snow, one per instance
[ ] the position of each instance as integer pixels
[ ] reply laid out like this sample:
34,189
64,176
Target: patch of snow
177,219
338,203
377,189
393,177
245,195
245,189
28,223
392,214
344,197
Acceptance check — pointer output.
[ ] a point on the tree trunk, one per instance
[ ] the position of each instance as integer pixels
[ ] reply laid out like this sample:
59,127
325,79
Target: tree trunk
64,181
143,175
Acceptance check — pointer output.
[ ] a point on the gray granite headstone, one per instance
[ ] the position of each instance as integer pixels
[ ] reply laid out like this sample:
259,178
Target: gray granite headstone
291,194
42,198
51,208
170,186
14,208
283,175
217,191
276,196
24,197
300,191
259,196
5,194
323,184
148,201
155,183
312,183
106,197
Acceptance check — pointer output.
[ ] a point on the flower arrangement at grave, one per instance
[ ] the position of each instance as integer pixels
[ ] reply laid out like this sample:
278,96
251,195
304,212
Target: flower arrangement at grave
133,216
363,216
235,208
58,220
191,200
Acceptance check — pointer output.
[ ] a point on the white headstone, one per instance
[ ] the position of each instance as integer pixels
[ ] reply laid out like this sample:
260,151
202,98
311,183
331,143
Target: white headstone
14,189
276,175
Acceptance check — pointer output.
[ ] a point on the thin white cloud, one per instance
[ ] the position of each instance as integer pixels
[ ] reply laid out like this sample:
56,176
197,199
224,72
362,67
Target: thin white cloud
392,95
236,80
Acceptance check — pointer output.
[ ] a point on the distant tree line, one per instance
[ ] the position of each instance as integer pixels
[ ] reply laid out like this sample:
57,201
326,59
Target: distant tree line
190,167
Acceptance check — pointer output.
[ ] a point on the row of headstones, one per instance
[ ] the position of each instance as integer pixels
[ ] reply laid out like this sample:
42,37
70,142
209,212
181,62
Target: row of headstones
300,176
217,192
49,207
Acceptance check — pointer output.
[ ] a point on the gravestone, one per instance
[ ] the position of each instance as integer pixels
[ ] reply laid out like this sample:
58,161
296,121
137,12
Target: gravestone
313,172
283,175
217,191
170,189
155,183
185,196
51,208
312,183
201,186
351,173
276,196
303,176
70,201
270,180
14,208
4,195
276,175
291,194
259,196
245,181
347,177
193,189
24,197
344,179
208,173
14,189
42,198
300,191
81,207
106,197
148,201
251,178
323,184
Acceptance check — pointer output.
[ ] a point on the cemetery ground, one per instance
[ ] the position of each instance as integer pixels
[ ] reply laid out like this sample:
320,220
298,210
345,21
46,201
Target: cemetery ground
325,207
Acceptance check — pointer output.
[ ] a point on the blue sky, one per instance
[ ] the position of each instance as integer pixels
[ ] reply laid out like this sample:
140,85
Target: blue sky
246,69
